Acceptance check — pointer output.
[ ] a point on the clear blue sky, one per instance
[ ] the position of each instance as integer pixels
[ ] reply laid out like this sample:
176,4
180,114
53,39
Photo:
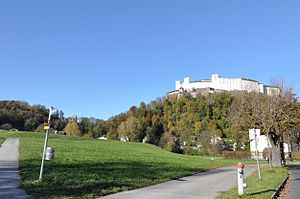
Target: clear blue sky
98,58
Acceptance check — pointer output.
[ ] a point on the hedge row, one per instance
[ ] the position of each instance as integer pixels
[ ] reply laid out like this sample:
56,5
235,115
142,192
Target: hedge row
244,155
295,155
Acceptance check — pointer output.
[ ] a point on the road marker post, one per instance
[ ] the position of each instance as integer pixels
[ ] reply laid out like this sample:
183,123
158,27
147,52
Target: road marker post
240,178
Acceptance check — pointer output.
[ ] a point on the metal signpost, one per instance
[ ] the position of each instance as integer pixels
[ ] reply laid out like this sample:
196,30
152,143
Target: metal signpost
256,133
51,111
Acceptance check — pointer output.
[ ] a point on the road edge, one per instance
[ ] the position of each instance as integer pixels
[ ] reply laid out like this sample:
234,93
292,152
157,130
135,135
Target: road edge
280,187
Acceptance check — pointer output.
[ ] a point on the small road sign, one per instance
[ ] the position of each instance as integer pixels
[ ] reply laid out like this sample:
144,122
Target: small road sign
46,127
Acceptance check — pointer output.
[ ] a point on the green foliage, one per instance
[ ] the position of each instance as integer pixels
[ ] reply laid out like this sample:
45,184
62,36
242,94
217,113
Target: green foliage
186,121
40,128
6,126
131,128
85,126
20,115
180,121
154,132
86,168
170,141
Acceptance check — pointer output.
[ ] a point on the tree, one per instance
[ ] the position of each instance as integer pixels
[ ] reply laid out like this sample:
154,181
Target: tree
275,115
22,116
131,128
112,125
99,129
155,131
72,128
85,126
170,141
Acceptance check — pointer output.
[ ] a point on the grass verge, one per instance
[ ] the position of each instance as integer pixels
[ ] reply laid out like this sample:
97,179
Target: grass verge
1,140
259,188
85,168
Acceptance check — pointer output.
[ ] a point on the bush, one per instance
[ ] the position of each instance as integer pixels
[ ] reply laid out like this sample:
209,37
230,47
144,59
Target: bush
295,155
245,155
40,128
190,151
6,126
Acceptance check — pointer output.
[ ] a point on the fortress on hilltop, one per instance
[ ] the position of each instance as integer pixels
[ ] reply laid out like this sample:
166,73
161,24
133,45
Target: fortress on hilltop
219,84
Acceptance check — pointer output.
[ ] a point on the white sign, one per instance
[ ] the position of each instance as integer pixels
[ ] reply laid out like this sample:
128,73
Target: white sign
254,132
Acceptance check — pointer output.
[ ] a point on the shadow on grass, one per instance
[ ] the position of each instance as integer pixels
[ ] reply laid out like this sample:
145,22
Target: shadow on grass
260,192
95,179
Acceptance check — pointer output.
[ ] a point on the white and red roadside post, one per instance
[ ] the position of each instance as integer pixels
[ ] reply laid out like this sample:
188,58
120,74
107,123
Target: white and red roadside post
240,178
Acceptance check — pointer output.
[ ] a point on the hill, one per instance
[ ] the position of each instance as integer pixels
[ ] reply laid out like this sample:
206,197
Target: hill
84,167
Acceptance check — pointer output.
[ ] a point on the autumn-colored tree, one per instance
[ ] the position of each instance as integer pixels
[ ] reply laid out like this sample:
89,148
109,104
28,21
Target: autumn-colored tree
131,128
112,125
72,128
22,116
170,141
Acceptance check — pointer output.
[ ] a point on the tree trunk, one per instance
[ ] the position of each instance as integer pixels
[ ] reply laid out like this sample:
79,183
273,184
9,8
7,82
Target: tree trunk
276,157
269,152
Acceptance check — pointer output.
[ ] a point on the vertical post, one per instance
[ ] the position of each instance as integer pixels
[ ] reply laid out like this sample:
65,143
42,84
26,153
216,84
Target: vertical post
44,153
240,178
269,152
45,145
257,155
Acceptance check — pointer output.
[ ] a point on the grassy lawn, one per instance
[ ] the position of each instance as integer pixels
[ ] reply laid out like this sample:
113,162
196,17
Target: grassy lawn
260,189
1,140
85,168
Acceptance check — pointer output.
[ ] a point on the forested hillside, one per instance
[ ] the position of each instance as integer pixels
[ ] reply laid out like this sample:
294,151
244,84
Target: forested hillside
186,121
178,123
20,115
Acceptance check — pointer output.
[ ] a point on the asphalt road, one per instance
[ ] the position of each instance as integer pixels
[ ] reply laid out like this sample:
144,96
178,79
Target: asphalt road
203,185
9,170
292,190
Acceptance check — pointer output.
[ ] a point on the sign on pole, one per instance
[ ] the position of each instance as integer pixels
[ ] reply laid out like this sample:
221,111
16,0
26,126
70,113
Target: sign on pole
46,127
256,134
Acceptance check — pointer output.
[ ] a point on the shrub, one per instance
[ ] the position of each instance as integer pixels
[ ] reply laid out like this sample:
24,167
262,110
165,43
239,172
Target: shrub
6,126
295,155
245,155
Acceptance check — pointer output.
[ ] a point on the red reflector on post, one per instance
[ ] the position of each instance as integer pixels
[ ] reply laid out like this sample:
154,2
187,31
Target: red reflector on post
240,165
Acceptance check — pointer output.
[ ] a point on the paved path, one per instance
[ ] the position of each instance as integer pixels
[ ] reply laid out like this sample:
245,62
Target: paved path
9,170
292,190
203,185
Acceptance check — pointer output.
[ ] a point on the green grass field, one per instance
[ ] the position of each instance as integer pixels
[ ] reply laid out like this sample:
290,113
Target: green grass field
85,168
260,189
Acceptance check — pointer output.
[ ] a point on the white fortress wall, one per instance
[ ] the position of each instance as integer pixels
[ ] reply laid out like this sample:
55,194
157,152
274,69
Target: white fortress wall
189,86
269,90
262,88
228,84
201,84
250,85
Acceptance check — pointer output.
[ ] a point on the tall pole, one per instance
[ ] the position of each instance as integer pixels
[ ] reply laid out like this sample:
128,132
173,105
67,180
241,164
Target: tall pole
257,158
269,152
45,145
